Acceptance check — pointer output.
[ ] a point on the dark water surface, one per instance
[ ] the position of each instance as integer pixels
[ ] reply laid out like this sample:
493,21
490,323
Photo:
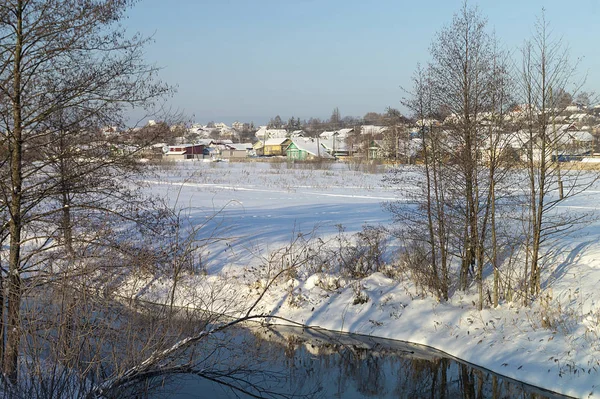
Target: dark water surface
311,363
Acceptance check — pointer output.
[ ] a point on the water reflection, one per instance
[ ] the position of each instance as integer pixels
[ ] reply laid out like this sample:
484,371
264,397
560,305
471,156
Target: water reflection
314,363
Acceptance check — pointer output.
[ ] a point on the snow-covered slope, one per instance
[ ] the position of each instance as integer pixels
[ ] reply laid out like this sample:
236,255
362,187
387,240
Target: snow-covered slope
260,208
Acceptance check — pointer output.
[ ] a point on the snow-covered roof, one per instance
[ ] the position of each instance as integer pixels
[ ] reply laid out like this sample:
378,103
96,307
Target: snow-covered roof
341,133
579,116
263,132
240,146
572,108
581,136
564,134
557,129
340,144
225,141
201,130
372,129
427,122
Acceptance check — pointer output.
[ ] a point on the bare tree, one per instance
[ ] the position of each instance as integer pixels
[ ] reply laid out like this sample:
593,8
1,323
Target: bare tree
396,136
335,119
460,71
55,56
424,225
275,123
467,79
499,161
546,71
469,161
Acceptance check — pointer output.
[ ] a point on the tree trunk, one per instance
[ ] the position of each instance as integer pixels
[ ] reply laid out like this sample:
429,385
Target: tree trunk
535,284
13,327
494,242
2,311
430,223
66,222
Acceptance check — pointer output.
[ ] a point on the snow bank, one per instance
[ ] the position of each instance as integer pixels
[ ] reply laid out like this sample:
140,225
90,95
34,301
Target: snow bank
554,345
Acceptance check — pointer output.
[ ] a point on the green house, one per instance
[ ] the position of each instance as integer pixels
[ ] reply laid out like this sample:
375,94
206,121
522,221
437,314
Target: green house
302,149
375,150
295,153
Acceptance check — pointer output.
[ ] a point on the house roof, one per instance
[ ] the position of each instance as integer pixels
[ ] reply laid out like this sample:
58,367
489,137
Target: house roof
199,143
171,147
559,129
340,144
341,133
297,133
372,129
377,144
579,116
573,108
263,132
565,135
427,122
581,136
276,141
240,146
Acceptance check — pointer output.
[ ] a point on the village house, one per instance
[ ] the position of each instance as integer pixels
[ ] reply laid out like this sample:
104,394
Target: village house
236,150
564,141
340,134
304,149
211,153
272,147
183,151
376,149
372,130
335,146
264,133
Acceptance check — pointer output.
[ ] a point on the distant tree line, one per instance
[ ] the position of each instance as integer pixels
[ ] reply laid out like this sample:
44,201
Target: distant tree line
315,126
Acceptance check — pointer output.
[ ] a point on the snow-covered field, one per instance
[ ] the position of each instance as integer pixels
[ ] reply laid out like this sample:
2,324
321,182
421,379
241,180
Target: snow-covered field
258,208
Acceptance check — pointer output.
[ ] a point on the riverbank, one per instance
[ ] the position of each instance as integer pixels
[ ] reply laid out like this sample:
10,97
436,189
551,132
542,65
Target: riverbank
509,341
554,344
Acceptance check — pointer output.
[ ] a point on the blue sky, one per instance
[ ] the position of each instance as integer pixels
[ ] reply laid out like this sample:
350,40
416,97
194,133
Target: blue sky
250,60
